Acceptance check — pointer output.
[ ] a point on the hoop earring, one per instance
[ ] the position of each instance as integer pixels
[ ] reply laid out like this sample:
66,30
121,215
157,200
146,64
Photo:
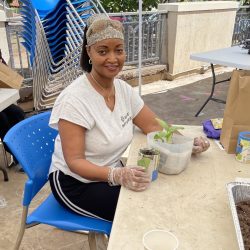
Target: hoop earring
90,62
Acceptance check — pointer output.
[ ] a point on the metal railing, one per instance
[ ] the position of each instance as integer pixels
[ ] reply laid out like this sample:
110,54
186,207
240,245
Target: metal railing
151,35
19,59
242,25
2,5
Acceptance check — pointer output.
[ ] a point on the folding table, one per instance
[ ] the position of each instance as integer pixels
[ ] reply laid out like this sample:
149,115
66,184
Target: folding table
235,57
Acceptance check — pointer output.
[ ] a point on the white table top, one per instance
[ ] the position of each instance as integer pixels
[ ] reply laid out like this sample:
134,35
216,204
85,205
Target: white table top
235,57
8,97
193,205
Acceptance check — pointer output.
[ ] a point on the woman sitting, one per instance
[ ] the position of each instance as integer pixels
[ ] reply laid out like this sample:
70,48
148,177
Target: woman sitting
95,116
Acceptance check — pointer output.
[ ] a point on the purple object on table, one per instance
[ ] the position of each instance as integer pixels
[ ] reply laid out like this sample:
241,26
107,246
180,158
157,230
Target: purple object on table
210,131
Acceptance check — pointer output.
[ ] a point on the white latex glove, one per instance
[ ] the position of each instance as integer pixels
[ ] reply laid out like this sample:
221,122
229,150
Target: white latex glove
201,144
134,178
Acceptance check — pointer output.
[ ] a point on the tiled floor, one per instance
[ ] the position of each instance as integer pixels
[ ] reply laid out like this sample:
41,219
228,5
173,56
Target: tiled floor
179,105
176,101
38,237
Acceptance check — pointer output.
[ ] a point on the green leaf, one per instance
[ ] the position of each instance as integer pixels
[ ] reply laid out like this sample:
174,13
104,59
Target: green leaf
144,162
127,6
157,137
177,128
160,136
239,157
173,129
162,123
167,133
169,138
162,133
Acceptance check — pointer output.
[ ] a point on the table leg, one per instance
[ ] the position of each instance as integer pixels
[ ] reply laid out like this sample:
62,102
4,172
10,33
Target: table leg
212,91
5,174
5,162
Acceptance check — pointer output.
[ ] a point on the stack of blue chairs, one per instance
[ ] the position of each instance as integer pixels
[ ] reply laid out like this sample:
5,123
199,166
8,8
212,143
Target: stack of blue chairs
52,34
54,17
29,29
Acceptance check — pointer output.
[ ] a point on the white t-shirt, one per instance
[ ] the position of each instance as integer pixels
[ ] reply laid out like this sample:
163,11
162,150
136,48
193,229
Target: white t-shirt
108,133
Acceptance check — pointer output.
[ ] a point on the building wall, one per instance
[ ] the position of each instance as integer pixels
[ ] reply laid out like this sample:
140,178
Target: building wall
196,27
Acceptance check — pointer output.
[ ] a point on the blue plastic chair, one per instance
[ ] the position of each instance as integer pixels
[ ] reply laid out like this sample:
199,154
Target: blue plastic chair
32,143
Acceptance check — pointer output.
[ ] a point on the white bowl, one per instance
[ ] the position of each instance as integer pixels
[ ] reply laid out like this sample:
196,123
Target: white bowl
160,240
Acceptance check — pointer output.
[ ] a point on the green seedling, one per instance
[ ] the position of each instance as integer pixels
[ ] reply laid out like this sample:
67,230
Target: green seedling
144,162
166,135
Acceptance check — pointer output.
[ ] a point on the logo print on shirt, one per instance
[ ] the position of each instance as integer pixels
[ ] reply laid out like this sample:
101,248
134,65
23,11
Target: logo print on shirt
125,119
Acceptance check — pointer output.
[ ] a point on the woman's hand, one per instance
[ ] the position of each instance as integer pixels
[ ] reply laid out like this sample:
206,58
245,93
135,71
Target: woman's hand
201,144
134,178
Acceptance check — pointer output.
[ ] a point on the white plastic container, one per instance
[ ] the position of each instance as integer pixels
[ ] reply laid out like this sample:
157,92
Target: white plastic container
175,157
160,240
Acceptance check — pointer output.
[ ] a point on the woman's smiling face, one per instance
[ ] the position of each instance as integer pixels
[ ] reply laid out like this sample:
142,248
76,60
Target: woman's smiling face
108,57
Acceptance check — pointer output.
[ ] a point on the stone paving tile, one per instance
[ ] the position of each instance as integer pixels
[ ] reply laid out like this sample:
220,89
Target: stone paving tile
179,105
41,237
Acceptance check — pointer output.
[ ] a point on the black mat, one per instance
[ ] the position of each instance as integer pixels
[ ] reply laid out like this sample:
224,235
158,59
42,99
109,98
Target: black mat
179,105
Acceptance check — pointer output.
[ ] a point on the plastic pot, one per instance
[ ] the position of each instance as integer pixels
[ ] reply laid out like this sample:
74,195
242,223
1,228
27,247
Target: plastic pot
174,157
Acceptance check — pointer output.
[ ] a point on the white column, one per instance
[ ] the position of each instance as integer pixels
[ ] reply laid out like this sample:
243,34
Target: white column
196,27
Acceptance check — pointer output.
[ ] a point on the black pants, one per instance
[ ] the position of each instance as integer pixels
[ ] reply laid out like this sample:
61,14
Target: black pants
96,199
8,118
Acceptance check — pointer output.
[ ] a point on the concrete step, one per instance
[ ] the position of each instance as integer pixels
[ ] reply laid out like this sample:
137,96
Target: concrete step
149,74
129,74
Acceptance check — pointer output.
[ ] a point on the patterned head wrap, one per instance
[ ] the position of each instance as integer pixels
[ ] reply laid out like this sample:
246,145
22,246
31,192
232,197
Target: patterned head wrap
101,27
